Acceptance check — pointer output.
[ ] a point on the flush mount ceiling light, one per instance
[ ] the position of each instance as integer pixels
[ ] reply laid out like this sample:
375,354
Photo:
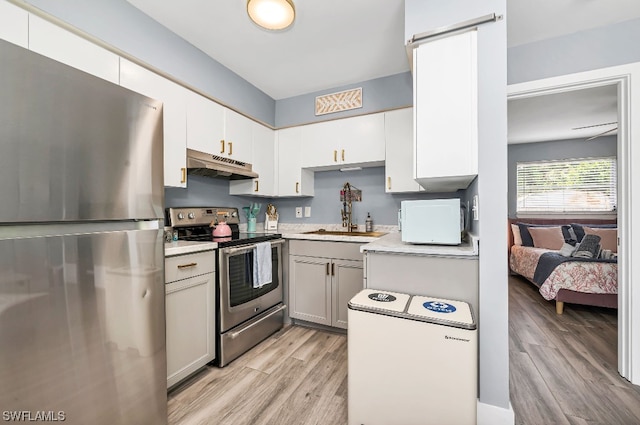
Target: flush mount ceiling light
271,14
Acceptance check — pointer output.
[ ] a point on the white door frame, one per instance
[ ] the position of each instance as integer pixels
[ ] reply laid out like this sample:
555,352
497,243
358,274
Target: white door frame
627,79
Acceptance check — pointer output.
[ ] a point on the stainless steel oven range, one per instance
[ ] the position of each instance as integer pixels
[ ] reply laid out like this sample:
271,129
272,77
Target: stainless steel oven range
246,315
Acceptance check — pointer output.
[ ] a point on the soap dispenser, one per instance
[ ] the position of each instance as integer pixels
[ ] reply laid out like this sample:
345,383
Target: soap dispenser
368,224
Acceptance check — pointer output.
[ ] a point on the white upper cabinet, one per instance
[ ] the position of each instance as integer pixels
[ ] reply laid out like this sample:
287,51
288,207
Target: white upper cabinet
445,87
238,133
345,142
216,130
14,24
398,128
59,44
292,179
263,142
174,98
205,124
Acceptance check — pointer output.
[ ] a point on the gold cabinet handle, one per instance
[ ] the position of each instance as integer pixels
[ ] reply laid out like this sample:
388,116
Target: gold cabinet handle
257,186
327,269
221,146
389,183
183,172
186,266
343,155
333,269
297,187
335,156
230,148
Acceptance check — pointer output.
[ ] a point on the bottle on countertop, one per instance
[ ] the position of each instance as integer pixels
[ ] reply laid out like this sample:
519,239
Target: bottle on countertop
368,224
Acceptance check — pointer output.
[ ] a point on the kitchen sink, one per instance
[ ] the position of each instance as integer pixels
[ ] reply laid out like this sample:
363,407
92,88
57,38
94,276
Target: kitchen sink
340,233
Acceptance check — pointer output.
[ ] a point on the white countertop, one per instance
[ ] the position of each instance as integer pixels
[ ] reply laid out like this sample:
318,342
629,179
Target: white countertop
298,231
187,247
392,243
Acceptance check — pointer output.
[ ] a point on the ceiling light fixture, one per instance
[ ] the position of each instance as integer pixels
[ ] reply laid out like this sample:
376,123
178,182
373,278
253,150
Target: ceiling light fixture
273,15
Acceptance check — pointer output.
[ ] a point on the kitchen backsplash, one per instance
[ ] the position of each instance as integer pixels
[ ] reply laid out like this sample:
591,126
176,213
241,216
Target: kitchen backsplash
325,205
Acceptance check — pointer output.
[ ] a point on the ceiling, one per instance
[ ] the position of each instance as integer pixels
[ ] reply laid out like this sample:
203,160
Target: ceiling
335,43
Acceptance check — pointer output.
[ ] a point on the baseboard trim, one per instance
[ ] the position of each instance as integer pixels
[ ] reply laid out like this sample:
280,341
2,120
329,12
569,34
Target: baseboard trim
489,414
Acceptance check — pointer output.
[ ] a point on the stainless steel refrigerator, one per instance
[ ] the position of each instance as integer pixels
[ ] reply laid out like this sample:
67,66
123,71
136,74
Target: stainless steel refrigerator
82,318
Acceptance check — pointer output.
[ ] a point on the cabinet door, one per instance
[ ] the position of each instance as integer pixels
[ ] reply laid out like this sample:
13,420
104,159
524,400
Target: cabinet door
205,124
14,24
362,140
321,145
292,180
59,44
173,96
237,136
263,142
310,289
446,116
190,319
347,281
398,128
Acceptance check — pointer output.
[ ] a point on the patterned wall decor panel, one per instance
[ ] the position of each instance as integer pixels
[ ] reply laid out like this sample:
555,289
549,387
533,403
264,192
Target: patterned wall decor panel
340,101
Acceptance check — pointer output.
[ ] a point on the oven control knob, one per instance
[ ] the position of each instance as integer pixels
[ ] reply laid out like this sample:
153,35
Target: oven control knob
180,216
191,216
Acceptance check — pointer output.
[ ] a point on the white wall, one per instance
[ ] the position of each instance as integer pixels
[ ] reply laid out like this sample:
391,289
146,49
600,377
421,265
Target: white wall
423,15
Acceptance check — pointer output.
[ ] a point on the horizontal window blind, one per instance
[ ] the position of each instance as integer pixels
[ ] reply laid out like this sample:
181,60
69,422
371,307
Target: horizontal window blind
568,186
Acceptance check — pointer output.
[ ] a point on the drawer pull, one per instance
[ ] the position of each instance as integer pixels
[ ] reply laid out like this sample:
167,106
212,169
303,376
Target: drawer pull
186,266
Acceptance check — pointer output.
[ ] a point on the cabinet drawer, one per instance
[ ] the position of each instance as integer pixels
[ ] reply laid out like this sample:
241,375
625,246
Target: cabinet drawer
185,266
326,249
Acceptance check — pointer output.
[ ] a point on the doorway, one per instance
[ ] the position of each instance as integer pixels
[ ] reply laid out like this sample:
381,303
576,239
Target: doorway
628,126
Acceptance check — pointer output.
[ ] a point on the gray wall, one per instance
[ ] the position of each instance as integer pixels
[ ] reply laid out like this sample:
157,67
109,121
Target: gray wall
325,204
121,25
562,149
392,92
423,15
586,50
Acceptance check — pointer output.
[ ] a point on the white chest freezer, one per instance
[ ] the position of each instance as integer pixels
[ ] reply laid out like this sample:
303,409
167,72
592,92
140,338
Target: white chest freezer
412,360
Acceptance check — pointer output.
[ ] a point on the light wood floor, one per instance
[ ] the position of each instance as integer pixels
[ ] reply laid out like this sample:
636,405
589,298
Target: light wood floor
562,368
298,376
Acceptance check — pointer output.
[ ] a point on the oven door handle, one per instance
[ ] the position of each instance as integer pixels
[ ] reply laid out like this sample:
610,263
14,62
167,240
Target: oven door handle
247,248
234,335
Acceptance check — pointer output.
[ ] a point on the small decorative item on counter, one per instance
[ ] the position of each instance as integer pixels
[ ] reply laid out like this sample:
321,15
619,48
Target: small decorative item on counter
368,223
168,234
175,235
271,218
251,213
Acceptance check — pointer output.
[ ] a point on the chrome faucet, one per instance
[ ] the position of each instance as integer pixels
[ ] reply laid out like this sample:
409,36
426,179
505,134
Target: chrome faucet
346,196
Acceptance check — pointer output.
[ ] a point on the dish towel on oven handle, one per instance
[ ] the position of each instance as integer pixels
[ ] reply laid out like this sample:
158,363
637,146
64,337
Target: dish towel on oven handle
262,273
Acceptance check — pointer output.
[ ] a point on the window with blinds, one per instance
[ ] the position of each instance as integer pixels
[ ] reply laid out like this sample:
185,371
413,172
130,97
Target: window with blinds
569,186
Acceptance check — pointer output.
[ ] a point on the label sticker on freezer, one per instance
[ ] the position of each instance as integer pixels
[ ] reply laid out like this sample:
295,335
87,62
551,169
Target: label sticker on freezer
381,297
439,307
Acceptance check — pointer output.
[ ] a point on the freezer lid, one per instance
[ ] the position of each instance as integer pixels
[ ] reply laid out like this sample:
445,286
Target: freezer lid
442,311
377,301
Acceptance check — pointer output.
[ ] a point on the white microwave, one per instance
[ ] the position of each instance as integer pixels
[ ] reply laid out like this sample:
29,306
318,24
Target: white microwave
432,221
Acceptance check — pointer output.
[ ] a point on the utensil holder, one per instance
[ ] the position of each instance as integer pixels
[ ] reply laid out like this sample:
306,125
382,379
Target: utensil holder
251,224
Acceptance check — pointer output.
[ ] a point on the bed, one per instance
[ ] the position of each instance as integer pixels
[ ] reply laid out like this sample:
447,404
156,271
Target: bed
534,254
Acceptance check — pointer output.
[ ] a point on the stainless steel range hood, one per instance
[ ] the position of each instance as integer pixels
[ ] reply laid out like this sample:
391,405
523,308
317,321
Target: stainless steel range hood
204,164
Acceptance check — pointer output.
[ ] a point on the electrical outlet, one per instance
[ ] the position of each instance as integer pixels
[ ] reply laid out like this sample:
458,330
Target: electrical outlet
298,212
307,211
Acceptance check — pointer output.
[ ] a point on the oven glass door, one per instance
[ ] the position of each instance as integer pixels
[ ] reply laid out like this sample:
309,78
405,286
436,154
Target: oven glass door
239,300
241,288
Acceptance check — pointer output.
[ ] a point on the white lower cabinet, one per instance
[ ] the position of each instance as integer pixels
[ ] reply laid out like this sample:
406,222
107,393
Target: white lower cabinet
323,277
190,314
